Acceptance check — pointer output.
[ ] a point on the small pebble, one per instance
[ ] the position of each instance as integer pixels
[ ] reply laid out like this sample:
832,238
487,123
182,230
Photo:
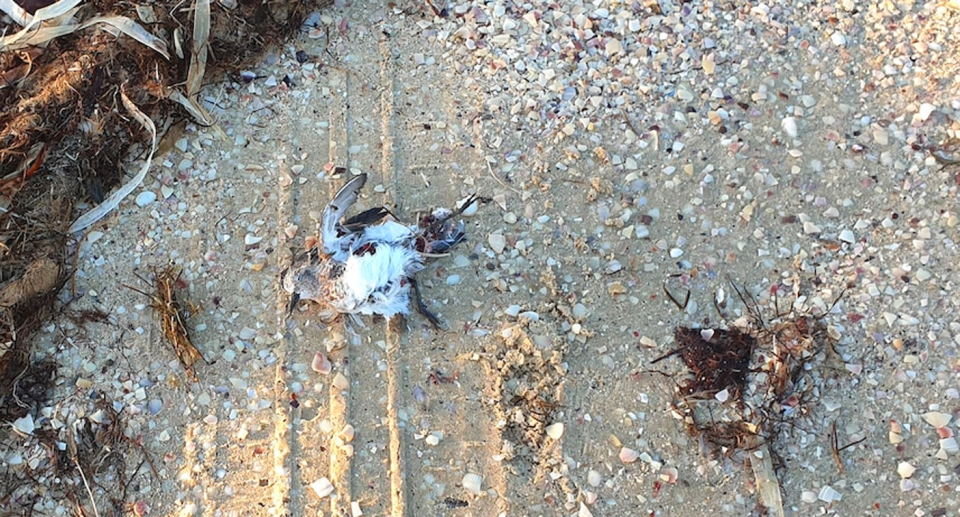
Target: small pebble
145,198
497,242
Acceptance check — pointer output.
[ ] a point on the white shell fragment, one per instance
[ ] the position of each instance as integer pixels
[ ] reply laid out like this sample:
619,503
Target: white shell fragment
340,381
100,416
949,445
905,469
722,395
789,126
584,511
593,478
322,487
348,433
829,495
937,419
555,430
25,425
471,483
896,432
628,455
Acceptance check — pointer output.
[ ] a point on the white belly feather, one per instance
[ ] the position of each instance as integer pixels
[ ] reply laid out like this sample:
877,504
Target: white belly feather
375,283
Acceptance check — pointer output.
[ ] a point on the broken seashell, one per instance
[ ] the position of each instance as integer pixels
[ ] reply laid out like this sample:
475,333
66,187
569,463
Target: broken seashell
937,419
25,425
949,445
828,494
555,430
670,475
347,433
320,364
323,487
471,482
905,469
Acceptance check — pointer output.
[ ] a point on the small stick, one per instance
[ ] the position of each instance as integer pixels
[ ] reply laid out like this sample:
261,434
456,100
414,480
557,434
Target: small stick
851,444
833,446
500,181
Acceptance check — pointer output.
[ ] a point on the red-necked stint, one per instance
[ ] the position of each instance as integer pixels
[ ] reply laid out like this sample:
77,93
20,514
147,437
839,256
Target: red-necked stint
366,263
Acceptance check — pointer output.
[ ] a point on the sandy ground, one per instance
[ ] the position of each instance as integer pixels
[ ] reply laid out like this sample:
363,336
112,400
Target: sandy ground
784,148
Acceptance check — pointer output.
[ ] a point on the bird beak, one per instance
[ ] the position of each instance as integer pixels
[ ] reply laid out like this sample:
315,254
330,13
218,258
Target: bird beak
294,300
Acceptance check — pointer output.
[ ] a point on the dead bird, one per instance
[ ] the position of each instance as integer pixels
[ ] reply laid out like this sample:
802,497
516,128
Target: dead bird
366,264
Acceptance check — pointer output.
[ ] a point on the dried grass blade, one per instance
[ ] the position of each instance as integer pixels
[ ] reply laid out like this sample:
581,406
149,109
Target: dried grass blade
193,108
114,200
45,34
47,13
132,29
36,38
17,13
198,58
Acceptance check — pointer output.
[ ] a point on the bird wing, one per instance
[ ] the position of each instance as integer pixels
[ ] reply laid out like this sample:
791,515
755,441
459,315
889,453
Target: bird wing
335,211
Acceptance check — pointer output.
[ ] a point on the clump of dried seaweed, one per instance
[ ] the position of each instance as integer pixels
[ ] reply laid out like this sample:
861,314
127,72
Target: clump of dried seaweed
718,359
31,277
64,131
89,457
748,385
173,317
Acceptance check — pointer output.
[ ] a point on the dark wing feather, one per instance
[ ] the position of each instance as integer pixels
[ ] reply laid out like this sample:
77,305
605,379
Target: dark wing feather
337,208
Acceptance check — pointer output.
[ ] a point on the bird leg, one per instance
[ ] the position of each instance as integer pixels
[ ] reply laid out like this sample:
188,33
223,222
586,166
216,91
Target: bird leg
474,198
294,300
421,306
